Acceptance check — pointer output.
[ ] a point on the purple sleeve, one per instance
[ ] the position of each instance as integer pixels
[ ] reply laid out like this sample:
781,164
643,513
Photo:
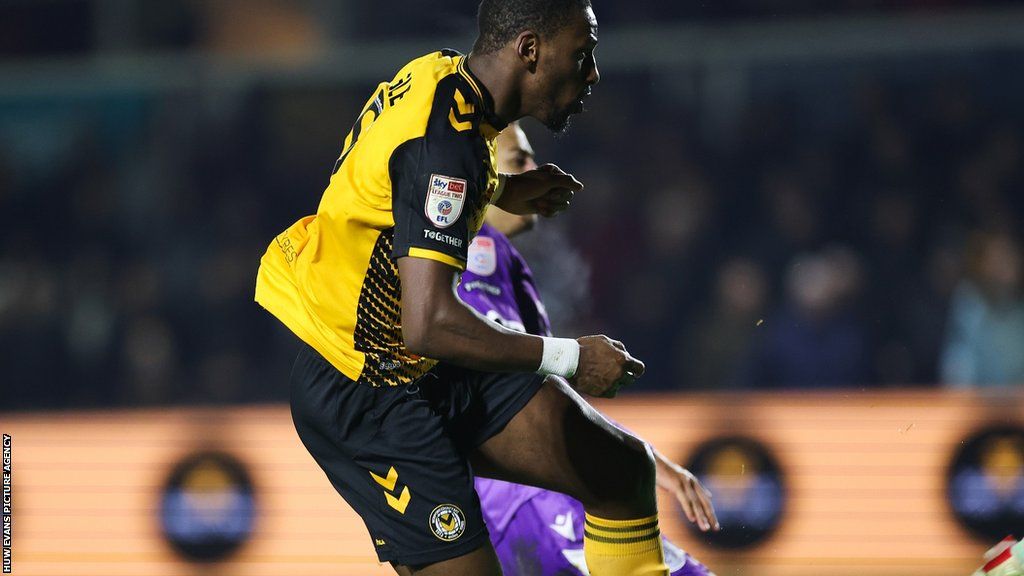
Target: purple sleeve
498,284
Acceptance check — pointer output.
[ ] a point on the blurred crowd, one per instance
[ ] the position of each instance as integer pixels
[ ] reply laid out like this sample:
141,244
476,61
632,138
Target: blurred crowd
71,27
859,232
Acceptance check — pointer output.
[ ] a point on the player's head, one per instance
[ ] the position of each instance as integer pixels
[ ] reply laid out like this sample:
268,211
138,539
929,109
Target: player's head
515,155
554,42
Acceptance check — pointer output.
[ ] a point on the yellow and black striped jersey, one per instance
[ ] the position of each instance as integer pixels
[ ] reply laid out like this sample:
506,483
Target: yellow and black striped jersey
414,178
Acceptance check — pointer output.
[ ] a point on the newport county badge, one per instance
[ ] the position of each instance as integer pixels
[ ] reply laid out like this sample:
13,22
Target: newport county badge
482,258
447,522
445,198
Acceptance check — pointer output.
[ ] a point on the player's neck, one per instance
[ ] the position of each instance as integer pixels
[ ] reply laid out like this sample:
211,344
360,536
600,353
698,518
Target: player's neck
490,71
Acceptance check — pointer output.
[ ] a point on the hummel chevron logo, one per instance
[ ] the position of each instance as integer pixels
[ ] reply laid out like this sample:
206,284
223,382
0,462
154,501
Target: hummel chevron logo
390,482
563,526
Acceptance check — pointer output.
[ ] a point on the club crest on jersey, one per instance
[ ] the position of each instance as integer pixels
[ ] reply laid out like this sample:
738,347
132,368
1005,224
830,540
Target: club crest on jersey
482,259
447,522
445,198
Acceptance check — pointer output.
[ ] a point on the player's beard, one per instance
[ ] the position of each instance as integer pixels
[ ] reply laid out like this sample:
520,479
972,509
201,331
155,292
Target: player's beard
559,118
558,122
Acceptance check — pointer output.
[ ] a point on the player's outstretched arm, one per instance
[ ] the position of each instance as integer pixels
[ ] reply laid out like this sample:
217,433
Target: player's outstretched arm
692,495
436,324
545,190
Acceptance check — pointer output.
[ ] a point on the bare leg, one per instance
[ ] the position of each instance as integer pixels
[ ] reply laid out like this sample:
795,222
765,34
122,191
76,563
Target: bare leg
559,442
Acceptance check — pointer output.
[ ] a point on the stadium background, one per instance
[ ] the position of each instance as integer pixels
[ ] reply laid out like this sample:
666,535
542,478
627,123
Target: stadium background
805,219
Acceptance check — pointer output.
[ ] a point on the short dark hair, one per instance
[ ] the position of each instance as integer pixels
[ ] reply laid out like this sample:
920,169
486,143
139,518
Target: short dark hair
500,21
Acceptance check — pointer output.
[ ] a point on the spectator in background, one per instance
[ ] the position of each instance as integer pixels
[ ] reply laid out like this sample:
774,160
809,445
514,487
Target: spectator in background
985,338
30,338
817,339
725,332
793,220
908,292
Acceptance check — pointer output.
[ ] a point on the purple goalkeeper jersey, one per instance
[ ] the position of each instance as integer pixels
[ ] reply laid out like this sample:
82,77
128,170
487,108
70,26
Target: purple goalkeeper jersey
535,532
498,284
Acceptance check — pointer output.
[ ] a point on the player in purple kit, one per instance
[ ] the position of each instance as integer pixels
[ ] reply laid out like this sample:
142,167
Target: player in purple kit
538,532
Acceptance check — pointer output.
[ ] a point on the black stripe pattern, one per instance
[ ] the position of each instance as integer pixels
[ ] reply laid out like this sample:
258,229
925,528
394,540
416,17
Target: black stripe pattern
378,332
616,540
640,528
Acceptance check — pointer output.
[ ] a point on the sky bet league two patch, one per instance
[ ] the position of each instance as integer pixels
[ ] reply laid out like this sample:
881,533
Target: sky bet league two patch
445,198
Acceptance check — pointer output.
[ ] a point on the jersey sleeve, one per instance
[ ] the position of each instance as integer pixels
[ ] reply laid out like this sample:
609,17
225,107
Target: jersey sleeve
435,191
483,284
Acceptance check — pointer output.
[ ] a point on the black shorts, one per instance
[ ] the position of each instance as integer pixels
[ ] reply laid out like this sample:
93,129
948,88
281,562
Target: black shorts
399,455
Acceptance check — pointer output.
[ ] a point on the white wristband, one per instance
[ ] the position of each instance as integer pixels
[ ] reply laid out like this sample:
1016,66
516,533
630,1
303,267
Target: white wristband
500,188
561,357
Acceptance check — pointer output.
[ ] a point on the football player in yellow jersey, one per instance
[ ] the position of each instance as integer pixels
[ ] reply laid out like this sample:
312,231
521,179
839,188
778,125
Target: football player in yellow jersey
401,393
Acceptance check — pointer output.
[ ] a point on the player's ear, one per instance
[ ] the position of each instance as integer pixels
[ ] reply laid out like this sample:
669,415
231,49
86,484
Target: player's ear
527,49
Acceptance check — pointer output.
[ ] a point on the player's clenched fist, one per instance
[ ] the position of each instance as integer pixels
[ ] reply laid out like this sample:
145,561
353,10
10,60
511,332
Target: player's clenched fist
604,367
545,190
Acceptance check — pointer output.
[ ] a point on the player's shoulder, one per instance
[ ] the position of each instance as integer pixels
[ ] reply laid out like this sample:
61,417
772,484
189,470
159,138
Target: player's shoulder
502,244
414,87
491,236
426,100
488,231
432,67
458,105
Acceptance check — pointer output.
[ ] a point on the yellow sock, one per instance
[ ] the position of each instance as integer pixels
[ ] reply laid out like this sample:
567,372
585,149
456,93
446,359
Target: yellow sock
624,547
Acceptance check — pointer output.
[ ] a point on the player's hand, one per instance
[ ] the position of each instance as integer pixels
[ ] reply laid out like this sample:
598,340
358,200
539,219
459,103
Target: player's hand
604,367
545,190
692,495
